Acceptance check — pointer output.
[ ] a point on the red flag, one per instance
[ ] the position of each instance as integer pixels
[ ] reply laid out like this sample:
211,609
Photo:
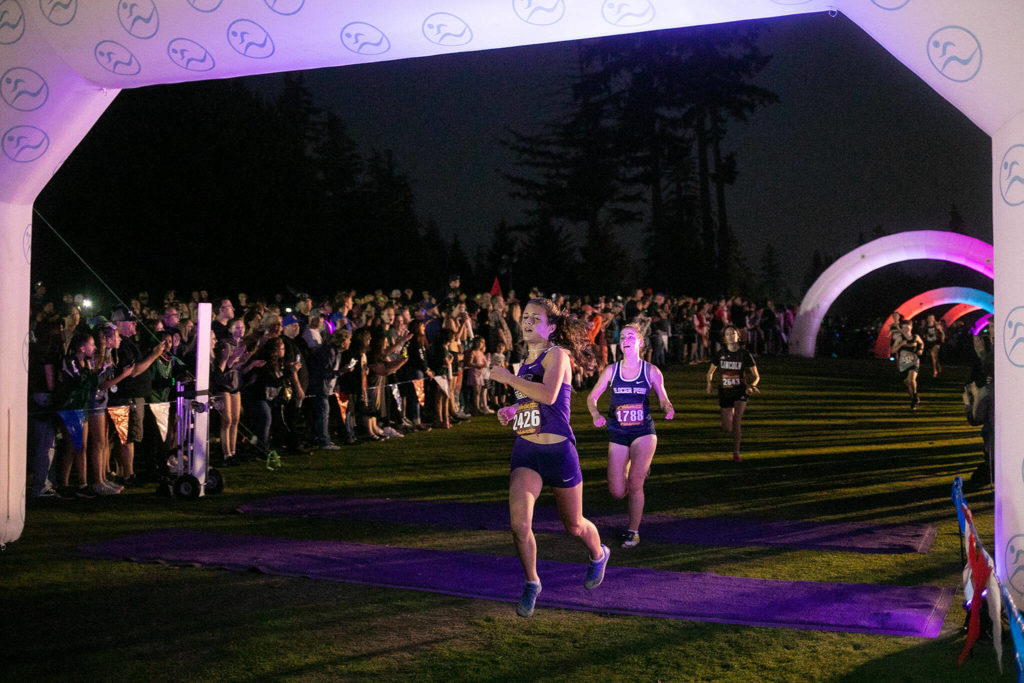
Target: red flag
342,404
496,287
979,579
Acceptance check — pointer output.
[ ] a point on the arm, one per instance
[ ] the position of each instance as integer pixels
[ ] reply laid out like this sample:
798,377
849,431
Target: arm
144,364
595,394
755,377
711,375
556,366
658,384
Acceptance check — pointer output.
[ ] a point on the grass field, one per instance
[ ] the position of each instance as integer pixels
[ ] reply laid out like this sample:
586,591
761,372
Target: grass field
827,440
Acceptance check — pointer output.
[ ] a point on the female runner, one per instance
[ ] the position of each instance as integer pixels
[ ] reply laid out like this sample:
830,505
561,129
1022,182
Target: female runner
736,363
545,448
630,426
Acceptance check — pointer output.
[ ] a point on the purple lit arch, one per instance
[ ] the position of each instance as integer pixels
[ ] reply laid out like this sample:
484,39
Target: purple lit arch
905,246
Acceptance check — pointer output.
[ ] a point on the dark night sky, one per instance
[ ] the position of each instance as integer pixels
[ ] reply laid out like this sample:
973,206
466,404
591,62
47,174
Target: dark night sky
856,141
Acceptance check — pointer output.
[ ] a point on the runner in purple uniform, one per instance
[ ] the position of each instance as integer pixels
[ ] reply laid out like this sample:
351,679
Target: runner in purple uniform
631,435
545,448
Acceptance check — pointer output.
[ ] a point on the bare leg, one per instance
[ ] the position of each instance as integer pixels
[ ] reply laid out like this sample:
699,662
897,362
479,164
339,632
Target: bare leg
570,509
524,487
727,420
737,426
641,452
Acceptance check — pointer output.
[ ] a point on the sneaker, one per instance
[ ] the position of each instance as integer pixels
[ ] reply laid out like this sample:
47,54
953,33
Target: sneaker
330,447
392,432
595,572
100,490
524,607
131,482
736,457
111,486
66,493
630,539
915,403
84,493
45,492
462,416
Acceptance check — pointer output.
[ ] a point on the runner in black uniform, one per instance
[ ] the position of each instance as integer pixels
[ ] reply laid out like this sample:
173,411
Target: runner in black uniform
630,426
934,338
736,363
908,350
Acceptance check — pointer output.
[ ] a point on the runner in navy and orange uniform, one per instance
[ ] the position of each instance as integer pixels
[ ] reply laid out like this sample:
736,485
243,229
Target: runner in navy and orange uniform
545,448
631,435
736,364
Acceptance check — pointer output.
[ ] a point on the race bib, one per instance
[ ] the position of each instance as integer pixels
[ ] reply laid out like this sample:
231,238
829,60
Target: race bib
630,414
527,418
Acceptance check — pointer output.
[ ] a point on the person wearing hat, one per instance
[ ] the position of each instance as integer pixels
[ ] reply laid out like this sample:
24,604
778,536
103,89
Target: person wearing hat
303,305
135,388
296,367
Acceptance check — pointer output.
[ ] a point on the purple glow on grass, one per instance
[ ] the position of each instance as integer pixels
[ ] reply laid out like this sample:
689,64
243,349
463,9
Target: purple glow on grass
930,299
905,246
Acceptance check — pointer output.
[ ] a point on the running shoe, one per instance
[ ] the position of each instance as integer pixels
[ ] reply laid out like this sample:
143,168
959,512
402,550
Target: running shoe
736,457
524,607
46,492
115,488
629,539
100,490
84,493
330,447
595,572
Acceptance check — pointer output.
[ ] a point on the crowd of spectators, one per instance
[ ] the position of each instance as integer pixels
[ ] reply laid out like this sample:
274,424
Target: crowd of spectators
294,373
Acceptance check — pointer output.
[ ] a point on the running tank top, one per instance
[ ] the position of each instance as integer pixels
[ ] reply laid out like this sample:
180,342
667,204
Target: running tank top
534,417
630,402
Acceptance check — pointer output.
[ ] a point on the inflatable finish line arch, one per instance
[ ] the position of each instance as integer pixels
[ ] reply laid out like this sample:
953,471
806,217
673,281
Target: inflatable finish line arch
63,61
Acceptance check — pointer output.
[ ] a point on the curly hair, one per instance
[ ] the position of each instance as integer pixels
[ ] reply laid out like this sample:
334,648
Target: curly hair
570,333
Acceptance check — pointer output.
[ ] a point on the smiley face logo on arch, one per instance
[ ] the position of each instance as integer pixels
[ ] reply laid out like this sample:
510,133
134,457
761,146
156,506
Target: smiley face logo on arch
627,12
249,39
1014,563
190,55
23,89
955,53
1011,176
24,144
442,28
139,18
12,22
116,58
1013,338
59,12
364,39
539,12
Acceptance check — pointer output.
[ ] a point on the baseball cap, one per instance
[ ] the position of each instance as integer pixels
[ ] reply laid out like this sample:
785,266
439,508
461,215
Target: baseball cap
288,320
122,314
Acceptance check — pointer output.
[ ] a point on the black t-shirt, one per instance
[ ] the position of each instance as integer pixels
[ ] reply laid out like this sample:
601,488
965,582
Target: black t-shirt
295,351
131,387
219,330
732,365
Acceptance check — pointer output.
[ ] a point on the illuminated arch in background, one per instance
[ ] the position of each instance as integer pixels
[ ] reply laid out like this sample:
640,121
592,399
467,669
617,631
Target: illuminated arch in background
973,299
63,61
957,312
905,246
981,323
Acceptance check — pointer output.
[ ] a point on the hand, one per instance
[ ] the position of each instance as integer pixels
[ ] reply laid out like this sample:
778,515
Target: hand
258,363
600,421
506,414
753,389
501,375
670,413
